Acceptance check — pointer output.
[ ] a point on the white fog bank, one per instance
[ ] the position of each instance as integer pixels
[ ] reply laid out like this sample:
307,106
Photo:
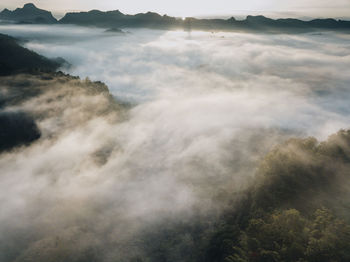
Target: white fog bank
207,107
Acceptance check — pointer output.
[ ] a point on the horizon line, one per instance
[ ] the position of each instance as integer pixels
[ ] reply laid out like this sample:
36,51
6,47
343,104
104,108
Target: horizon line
236,14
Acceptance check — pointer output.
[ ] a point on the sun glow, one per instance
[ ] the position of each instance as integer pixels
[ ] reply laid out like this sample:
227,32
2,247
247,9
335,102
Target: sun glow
195,7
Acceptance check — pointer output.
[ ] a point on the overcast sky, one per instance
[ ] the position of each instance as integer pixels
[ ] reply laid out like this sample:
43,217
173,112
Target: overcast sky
314,8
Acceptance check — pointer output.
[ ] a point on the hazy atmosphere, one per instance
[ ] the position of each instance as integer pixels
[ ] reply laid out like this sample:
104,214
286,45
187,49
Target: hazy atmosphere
136,144
298,8
306,73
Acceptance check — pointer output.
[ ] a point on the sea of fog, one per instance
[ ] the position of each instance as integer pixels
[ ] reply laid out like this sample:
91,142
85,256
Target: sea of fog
223,79
206,108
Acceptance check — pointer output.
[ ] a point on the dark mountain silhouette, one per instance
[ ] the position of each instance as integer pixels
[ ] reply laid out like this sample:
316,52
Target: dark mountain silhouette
115,30
25,75
154,20
17,129
262,23
116,19
29,14
15,58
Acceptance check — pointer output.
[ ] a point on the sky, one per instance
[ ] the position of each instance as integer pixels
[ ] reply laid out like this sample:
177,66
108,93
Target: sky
293,8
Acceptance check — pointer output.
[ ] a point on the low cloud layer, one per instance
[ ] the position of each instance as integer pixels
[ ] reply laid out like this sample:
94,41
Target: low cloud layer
205,108
310,71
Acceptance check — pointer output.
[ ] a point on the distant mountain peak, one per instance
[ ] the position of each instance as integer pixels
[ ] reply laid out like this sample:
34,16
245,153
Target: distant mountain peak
116,11
29,6
28,14
95,11
115,19
5,12
257,17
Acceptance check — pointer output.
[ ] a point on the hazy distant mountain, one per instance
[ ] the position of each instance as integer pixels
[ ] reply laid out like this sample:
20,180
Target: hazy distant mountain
262,23
28,14
15,58
154,20
289,23
115,30
116,19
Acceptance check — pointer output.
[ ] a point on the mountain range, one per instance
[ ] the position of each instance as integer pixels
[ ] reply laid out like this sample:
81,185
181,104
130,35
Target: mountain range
31,14
28,14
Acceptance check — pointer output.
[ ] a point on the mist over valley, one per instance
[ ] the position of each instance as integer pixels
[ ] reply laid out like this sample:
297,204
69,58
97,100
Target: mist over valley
144,145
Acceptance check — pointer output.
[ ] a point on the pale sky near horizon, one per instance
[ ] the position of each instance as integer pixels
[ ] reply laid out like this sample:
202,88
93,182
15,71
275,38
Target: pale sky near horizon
295,8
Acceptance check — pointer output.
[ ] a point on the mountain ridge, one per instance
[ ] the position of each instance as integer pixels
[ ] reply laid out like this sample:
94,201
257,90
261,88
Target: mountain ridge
28,14
15,58
115,18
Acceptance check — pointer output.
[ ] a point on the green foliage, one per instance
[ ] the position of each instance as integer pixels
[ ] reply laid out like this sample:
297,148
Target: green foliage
293,211
288,236
329,238
303,174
